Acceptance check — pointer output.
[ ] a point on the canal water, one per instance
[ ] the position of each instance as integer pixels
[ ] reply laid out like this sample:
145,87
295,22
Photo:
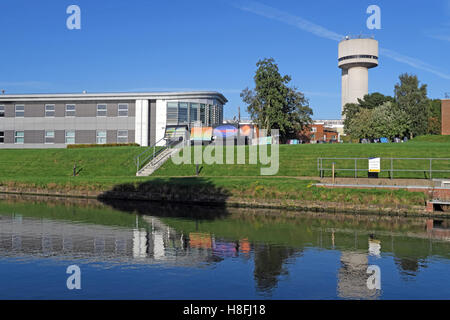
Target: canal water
136,250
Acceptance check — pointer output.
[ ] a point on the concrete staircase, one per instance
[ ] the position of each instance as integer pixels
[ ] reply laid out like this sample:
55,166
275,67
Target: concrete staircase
156,162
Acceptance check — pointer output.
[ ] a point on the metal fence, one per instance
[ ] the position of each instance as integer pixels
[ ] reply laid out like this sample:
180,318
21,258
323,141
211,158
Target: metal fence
428,166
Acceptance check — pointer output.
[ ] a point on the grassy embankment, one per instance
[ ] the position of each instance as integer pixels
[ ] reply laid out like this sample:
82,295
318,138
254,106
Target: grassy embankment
103,169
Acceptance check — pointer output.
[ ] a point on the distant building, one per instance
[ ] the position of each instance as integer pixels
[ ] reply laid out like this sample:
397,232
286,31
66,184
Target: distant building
445,111
322,131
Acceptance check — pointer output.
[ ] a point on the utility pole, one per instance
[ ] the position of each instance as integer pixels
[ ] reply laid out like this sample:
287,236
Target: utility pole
239,114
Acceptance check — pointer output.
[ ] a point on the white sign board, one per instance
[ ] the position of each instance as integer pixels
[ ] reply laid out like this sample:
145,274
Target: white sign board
374,165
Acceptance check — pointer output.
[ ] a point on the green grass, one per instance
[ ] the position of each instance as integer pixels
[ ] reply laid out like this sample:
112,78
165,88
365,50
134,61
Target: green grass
58,163
301,160
432,138
104,169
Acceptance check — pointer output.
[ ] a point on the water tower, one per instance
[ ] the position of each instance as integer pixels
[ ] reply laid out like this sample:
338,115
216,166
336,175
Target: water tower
356,57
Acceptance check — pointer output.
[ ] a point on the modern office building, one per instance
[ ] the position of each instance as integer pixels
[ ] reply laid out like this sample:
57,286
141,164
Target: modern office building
56,120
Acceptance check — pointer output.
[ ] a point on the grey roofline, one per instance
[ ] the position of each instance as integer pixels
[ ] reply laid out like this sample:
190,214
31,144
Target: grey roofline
115,96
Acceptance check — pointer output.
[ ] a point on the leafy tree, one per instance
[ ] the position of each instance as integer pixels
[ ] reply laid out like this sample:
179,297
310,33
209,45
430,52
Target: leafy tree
274,105
373,100
369,101
413,100
434,120
388,120
358,125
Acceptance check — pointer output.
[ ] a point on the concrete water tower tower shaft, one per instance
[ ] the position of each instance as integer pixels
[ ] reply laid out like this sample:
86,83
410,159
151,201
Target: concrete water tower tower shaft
356,57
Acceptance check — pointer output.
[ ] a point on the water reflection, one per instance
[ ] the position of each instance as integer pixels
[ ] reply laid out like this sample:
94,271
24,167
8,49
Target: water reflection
275,242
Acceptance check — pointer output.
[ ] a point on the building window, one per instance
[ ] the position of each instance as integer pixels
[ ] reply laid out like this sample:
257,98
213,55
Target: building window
101,110
50,110
70,137
70,110
193,112
123,110
313,129
183,112
122,136
19,137
20,111
2,111
172,112
2,136
101,137
202,114
49,137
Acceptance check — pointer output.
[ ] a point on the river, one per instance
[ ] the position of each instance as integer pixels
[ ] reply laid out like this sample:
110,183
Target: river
138,250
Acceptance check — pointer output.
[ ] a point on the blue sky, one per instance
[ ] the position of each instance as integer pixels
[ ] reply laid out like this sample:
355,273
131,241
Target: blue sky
142,45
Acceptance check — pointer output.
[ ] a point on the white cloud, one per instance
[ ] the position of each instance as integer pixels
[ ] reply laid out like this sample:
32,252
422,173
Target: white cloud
413,62
275,14
308,26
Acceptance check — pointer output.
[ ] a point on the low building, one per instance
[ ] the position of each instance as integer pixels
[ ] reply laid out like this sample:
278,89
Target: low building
445,112
57,120
320,132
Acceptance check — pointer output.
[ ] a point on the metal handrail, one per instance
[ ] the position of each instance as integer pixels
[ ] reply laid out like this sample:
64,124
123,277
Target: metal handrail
391,170
146,156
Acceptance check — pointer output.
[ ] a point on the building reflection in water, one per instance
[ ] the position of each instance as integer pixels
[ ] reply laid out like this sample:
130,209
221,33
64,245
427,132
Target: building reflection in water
353,276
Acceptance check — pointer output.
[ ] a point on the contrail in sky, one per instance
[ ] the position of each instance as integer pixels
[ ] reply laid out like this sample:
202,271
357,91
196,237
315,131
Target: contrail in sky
308,26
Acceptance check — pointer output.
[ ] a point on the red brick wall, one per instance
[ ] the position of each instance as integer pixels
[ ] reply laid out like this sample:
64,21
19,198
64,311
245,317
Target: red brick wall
445,117
308,135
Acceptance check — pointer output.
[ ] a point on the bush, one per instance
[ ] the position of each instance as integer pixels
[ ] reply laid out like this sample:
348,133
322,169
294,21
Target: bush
78,146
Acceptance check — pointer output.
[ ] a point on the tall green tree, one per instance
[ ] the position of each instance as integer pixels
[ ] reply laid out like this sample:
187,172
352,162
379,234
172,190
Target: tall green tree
369,101
411,98
435,118
272,104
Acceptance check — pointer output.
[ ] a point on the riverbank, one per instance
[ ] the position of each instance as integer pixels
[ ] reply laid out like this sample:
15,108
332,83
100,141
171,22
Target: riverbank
273,193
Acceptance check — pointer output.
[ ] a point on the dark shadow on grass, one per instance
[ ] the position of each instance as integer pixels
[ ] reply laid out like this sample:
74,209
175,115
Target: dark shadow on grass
169,197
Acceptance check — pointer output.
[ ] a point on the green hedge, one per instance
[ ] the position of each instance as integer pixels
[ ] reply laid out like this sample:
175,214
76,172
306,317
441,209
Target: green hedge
78,146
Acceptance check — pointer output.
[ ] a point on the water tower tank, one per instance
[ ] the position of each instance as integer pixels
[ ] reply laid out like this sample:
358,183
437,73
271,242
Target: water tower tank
355,58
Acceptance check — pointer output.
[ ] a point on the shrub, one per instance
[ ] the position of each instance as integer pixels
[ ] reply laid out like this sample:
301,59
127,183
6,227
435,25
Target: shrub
78,146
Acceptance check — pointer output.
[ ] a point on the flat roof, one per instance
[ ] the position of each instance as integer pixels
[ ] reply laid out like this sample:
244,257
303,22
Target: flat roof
116,96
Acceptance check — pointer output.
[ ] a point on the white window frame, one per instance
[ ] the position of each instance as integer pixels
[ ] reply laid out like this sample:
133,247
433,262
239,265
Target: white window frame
74,110
2,111
118,109
45,136
122,136
97,136
15,110
15,137
105,110
65,136
54,110
314,129
2,136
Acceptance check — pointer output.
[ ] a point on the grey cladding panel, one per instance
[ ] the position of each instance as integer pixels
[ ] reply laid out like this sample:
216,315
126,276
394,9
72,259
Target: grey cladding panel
131,136
111,136
34,136
9,111
9,136
85,136
60,136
